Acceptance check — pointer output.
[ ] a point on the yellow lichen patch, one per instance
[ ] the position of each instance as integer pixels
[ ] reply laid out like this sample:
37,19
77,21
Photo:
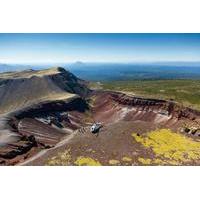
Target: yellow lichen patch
126,159
174,148
87,161
113,162
145,161
158,161
63,158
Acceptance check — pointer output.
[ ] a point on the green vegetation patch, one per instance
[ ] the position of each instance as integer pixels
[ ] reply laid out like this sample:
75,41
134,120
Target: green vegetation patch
186,92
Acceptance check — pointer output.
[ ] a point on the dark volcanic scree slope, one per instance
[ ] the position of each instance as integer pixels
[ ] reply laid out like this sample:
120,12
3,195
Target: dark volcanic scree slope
34,93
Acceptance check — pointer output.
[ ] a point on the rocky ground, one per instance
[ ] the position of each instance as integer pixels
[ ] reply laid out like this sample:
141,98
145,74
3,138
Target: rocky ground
48,122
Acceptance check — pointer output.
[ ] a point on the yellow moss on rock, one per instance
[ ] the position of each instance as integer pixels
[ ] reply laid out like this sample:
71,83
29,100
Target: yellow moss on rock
173,147
63,158
126,159
86,161
158,161
113,162
144,161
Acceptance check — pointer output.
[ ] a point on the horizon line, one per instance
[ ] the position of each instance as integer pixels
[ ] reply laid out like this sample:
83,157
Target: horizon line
96,62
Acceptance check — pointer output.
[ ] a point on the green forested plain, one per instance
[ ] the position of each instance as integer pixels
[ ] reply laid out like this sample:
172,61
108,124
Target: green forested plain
186,92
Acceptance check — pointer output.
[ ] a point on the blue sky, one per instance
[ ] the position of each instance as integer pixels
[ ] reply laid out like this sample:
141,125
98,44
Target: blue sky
53,48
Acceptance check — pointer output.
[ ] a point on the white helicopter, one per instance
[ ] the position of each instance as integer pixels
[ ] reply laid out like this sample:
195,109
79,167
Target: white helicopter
95,127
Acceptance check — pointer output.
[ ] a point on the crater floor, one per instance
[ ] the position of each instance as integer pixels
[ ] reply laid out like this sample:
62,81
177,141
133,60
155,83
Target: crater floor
135,132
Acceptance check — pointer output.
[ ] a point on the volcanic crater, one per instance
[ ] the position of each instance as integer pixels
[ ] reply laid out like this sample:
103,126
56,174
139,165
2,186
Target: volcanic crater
45,119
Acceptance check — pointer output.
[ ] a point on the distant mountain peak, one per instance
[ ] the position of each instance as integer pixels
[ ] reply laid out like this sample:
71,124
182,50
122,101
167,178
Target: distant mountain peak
79,63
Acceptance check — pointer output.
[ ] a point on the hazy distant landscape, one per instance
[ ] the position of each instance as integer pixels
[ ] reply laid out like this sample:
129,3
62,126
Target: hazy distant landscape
105,72
120,71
